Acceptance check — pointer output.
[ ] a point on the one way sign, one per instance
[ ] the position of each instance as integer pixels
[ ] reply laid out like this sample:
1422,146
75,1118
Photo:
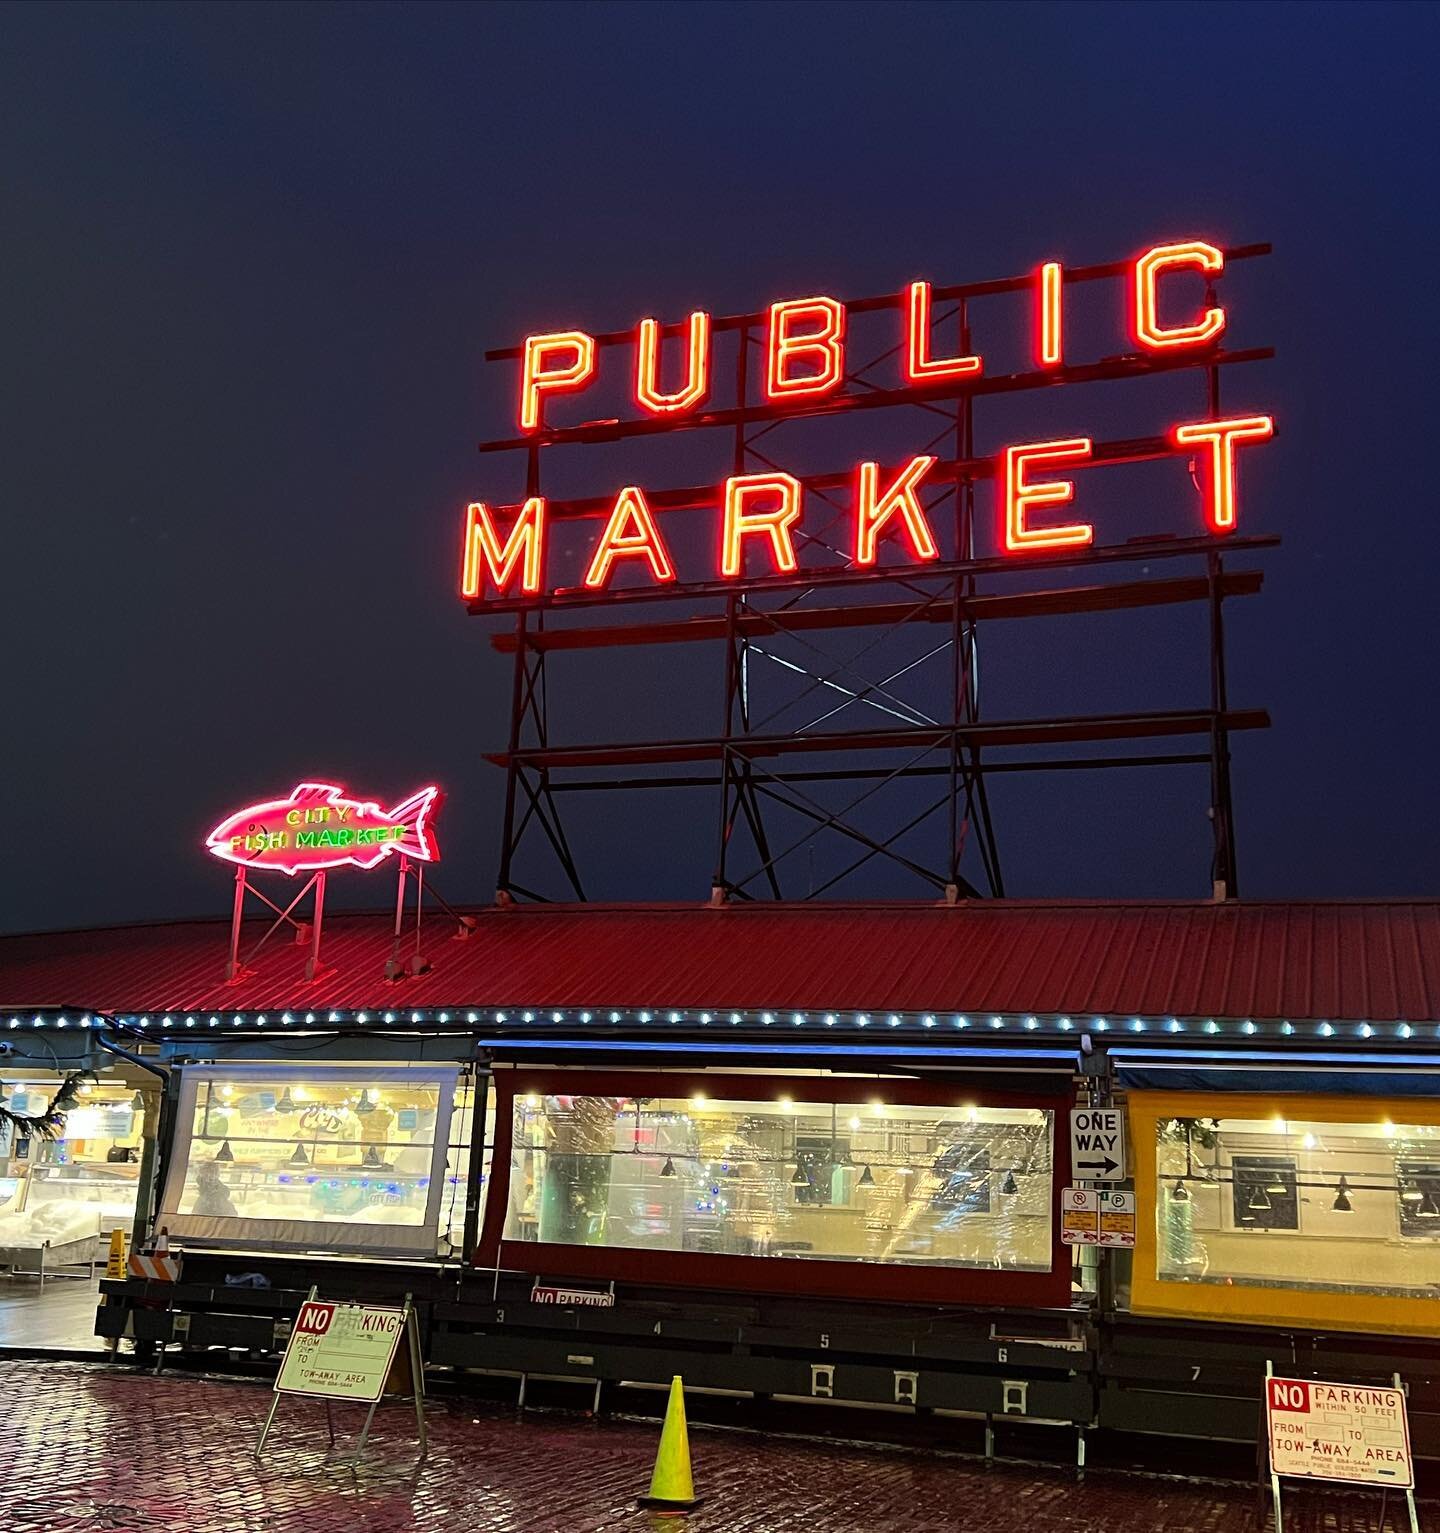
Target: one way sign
1097,1144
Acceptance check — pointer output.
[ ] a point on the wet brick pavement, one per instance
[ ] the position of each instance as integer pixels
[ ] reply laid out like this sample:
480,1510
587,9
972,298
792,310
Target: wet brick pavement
86,1447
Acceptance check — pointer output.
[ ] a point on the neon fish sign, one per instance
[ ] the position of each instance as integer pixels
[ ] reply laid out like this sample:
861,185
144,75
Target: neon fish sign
760,515
320,826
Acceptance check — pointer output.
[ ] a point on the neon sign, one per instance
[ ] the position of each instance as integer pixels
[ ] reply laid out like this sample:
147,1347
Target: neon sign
761,519
320,826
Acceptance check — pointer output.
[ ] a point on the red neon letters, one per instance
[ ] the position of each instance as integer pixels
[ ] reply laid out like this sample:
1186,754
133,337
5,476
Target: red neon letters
1222,437
542,376
1049,333
1192,255
523,549
920,366
630,533
873,511
504,549
1021,495
782,491
820,348
647,368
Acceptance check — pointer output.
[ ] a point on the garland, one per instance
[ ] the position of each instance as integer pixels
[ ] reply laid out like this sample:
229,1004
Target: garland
50,1123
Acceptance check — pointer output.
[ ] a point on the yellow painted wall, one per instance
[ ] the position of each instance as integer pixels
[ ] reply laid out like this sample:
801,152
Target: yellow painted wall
1367,1251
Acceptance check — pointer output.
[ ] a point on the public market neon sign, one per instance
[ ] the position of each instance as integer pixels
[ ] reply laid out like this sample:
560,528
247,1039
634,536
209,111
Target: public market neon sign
504,549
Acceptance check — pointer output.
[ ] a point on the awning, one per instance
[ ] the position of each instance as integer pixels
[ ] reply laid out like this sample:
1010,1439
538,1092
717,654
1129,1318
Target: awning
1291,1073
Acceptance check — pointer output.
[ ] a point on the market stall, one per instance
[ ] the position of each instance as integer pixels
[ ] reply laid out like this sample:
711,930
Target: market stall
292,1156
62,1195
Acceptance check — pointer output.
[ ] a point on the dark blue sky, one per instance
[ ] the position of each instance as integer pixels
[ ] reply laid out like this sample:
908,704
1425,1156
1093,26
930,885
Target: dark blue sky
254,255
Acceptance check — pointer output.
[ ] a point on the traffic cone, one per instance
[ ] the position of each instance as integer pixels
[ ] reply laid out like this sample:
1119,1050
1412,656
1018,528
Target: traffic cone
671,1488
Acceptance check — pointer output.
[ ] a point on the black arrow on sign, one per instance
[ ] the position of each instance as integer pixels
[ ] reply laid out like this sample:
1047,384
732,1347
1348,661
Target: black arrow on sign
1100,1167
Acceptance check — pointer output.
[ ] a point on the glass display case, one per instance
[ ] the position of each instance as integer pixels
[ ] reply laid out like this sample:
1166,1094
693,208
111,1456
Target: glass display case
822,1181
85,1181
301,1157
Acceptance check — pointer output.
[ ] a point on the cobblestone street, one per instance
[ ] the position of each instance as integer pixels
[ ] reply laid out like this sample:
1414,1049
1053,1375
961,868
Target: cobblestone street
89,1447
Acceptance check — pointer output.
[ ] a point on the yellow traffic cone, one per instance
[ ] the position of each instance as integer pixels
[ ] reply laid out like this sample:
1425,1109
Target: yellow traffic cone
671,1488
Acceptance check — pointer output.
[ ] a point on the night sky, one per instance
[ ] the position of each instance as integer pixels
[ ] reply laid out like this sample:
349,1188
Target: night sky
254,255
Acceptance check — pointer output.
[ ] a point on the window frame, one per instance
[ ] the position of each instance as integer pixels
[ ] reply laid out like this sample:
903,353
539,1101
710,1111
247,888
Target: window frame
1255,1167
776,1274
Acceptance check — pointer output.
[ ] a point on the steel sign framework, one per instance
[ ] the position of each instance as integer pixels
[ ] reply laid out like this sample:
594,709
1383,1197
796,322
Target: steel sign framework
812,737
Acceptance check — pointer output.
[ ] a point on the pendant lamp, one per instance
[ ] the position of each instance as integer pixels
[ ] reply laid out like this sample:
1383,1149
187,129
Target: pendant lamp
668,1169
799,1179
298,1157
225,1152
1341,1205
1258,1201
1181,1193
867,1178
286,1102
372,1158
1010,1186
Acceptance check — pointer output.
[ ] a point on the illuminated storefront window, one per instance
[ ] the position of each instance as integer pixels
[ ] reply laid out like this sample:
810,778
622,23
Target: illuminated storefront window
1349,1208
80,1185
846,1182
366,1158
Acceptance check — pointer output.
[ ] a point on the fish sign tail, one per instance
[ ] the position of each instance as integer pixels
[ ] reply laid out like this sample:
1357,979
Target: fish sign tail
414,814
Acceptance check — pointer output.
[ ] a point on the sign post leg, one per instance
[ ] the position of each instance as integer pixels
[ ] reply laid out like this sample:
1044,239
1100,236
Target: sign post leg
237,915
417,1378
1275,1478
312,964
365,1430
265,1430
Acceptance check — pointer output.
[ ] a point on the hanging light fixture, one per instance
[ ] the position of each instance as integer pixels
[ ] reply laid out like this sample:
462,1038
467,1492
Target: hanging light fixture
286,1102
1429,1208
1180,1193
1277,1188
363,1103
668,1169
372,1158
225,1152
1258,1203
298,1157
137,1102
799,1179
867,1178
1010,1186
1342,1205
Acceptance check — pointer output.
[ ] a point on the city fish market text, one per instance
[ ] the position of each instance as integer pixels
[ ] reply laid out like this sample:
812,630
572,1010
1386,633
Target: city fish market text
504,552
319,826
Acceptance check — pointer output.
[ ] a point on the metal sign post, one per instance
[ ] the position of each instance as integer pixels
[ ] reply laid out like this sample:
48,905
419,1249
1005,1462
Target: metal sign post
350,1352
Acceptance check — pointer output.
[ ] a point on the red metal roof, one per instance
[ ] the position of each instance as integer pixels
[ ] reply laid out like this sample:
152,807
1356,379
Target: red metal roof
1363,961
